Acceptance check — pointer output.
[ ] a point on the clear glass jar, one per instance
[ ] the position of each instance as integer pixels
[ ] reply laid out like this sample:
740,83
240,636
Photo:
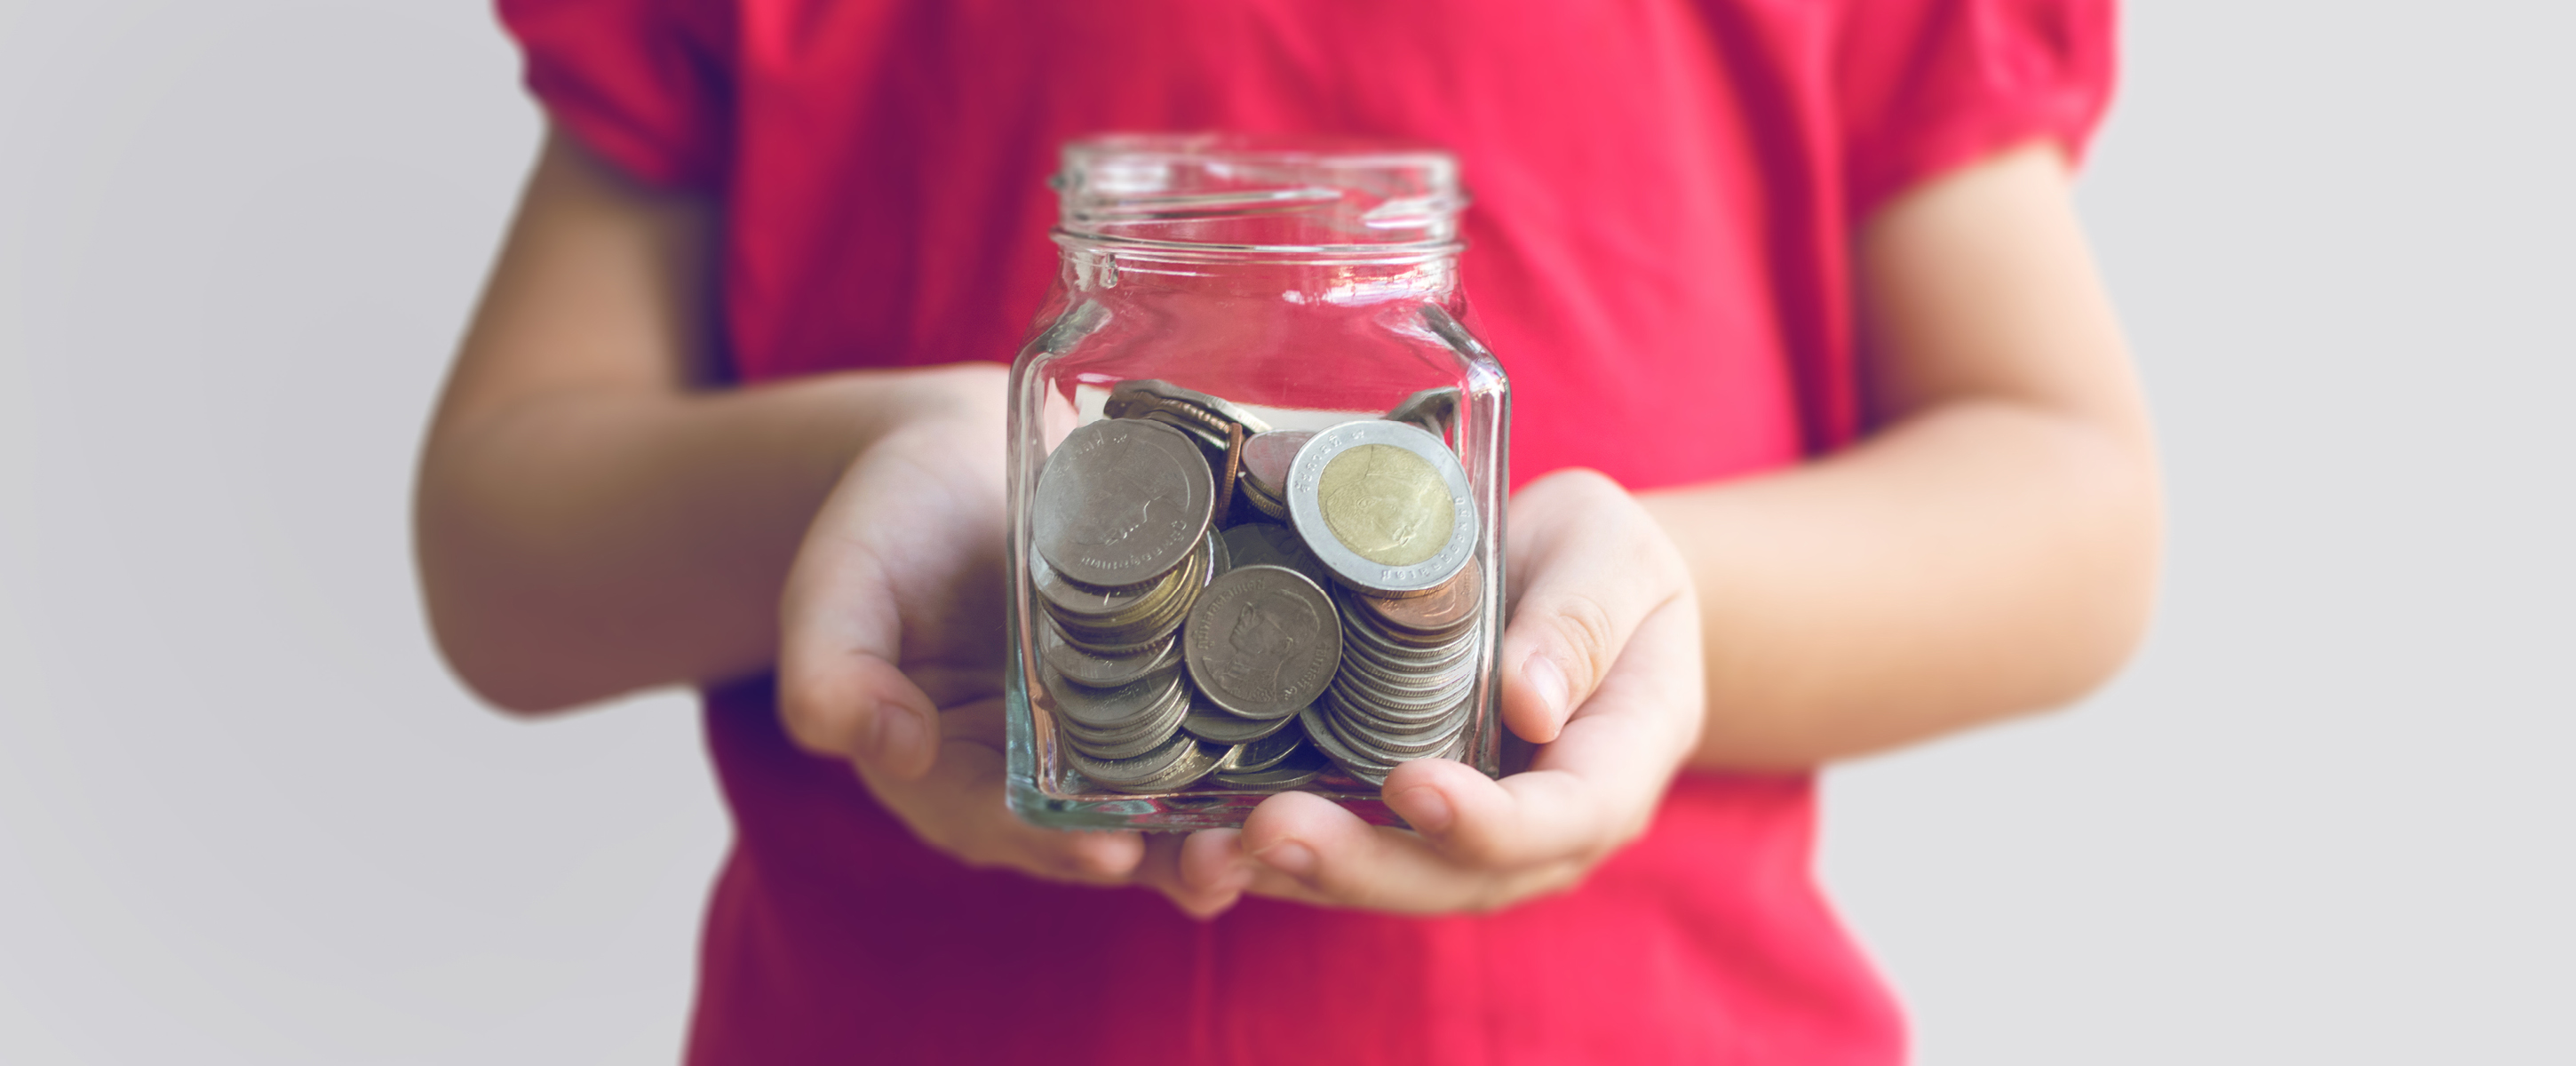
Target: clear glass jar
1257,468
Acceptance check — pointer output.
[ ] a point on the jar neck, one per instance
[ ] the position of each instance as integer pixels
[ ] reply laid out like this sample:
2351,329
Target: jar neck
1109,267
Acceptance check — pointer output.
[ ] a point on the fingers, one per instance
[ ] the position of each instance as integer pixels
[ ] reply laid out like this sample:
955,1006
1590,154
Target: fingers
843,627
1307,848
957,806
1591,566
1202,873
1481,843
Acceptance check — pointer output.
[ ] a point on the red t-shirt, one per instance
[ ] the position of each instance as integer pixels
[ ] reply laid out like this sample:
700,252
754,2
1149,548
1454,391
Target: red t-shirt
1659,251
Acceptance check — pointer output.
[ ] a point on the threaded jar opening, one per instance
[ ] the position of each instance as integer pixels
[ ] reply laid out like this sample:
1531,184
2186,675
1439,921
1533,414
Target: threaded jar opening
1191,195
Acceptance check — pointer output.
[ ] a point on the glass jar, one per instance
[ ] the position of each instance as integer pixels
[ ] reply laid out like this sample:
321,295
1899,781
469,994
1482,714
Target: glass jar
1257,467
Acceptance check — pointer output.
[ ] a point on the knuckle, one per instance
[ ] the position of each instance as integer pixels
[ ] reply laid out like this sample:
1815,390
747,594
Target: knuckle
1582,624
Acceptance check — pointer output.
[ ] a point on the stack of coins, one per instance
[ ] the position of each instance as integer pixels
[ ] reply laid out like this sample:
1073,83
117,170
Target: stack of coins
1122,512
1384,506
1336,625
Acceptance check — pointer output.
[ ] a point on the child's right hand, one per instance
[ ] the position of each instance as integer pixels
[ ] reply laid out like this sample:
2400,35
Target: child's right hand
891,652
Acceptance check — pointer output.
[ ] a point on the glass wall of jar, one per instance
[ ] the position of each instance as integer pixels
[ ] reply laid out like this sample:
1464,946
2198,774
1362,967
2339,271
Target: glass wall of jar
1257,466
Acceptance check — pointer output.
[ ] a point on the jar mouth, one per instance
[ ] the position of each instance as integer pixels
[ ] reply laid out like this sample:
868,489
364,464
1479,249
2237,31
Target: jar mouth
1323,197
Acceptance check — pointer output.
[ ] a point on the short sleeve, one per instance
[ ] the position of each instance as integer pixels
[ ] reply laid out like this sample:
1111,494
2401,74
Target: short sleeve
1929,85
641,82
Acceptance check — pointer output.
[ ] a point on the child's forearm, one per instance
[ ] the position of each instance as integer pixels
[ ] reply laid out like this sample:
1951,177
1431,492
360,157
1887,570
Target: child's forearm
585,544
589,521
1963,566
1991,549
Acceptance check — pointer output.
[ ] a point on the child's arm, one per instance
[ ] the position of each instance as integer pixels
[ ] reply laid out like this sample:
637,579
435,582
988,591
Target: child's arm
592,520
1990,549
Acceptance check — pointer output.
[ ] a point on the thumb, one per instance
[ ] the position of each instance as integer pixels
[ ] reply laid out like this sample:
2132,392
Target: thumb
1591,568
840,691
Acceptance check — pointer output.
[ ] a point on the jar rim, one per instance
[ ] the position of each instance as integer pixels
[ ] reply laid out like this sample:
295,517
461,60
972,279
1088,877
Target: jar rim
1235,193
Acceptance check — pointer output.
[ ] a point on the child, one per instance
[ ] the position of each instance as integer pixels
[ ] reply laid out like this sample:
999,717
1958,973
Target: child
1827,438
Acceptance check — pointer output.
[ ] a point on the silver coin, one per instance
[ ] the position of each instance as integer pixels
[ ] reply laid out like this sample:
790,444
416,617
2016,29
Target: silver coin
1267,752
1140,621
1220,727
1435,410
1272,544
1360,733
1103,671
1082,601
1385,505
1263,641
1302,765
1112,708
1134,774
1127,740
1220,554
1122,501
1353,763
1196,762
1222,408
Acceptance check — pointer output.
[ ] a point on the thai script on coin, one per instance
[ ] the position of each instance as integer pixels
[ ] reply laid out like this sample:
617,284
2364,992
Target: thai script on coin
1385,505
1121,501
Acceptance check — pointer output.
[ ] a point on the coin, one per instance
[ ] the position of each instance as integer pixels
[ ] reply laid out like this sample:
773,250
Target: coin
1219,407
1263,641
1257,755
1174,763
1127,739
1455,603
1270,544
1221,727
1117,624
1301,764
1435,410
1101,671
1233,472
1112,707
1384,505
1267,457
1351,762
1121,501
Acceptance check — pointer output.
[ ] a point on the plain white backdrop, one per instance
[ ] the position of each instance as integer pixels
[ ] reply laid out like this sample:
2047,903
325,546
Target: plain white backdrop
246,816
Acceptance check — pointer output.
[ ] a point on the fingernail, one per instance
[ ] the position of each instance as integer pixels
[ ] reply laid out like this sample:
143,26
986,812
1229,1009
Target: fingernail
1289,857
1548,681
896,730
1425,807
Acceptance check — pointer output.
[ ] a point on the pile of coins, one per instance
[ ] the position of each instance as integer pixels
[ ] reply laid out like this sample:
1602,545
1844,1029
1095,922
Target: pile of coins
1229,603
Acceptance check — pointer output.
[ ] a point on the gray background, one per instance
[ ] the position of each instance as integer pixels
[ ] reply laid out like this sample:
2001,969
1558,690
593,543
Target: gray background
246,816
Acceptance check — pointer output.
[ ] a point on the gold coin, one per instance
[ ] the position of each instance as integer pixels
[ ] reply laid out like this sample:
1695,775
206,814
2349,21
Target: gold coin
1386,504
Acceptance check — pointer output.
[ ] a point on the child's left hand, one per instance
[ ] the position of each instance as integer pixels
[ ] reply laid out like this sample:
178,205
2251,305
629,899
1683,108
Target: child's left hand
1601,667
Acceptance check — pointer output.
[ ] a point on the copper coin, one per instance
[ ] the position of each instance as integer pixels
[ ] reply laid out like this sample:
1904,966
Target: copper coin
1453,604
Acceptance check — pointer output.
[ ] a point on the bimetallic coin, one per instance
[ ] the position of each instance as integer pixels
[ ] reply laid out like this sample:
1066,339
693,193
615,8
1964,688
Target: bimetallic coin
1121,502
1384,505
1263,641
1101,671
